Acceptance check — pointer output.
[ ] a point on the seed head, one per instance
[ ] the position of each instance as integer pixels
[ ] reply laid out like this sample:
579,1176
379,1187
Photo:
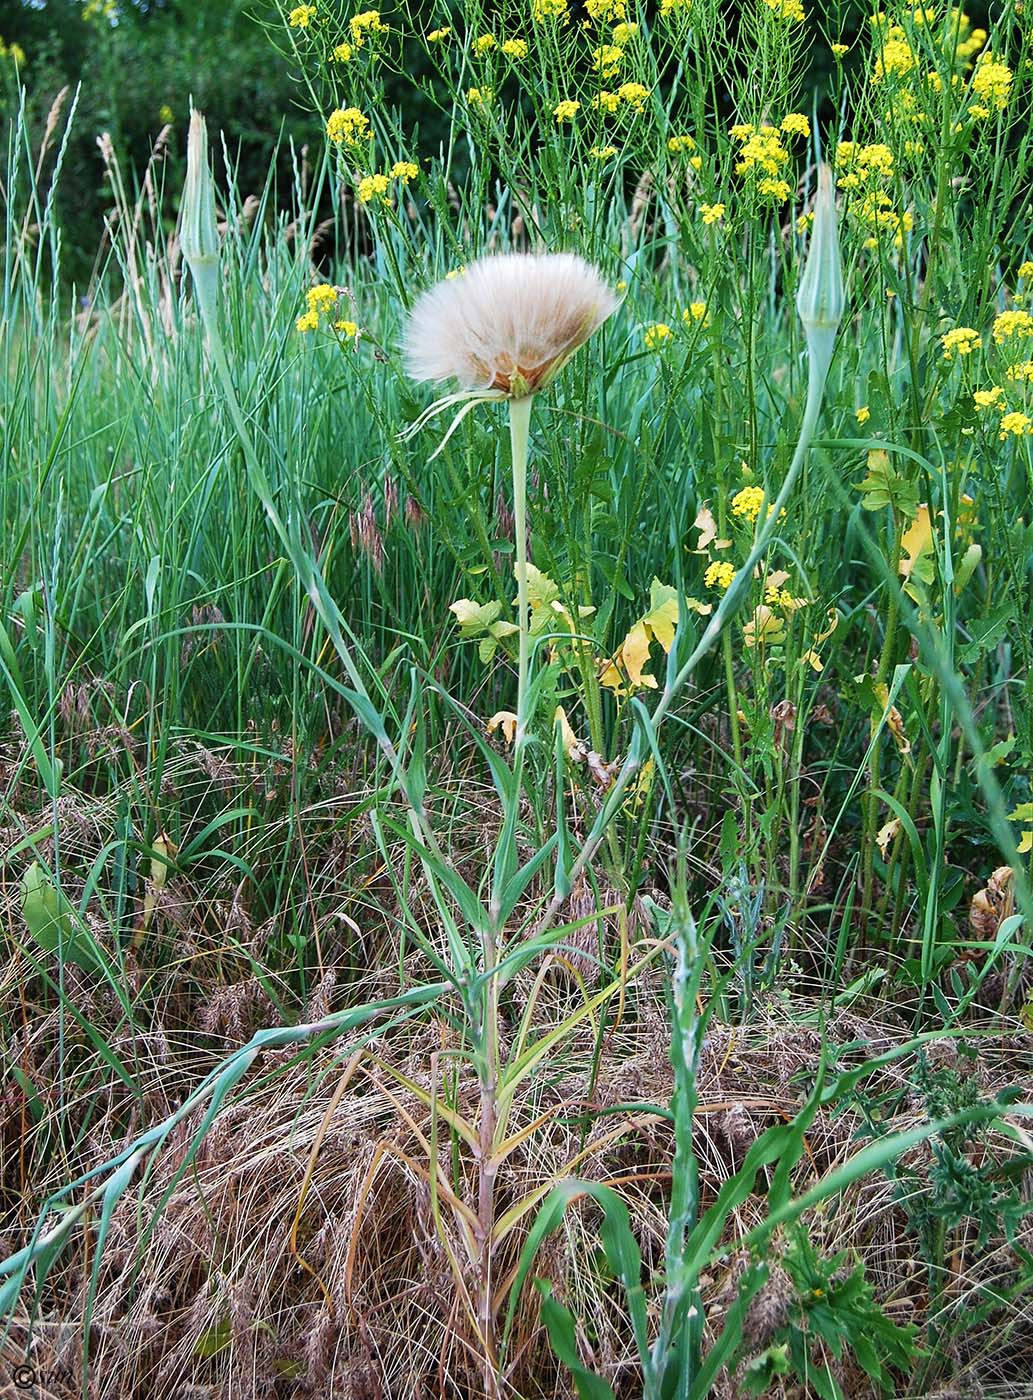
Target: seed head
508,324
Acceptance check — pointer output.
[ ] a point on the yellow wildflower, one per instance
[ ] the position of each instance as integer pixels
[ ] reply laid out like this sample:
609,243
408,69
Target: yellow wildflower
322,298
1022,372
347,125
342,53
634,94
719,575
438,36
746,503
1012,323
1026,271
301,16
479,97
838,50
366,25
991,81
680,143
962,340
602,152
484,43
696,311
656,334
774,189
404,170
787,9
566,111
862,414
796,124
549,9
515,48
623,34
989,398
712,213
373,187
308,322
672,7
346,328
605,11
1016,425
606,59
606,101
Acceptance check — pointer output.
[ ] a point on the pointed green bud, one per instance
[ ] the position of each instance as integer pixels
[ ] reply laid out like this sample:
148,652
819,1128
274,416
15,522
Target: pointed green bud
820,300
199,234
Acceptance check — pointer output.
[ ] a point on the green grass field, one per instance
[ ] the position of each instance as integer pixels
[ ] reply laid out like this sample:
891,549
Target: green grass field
530,900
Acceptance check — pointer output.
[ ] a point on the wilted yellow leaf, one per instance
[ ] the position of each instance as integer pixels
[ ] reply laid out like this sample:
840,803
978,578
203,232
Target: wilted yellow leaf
915,544
707,527
886,834
505,720
766,628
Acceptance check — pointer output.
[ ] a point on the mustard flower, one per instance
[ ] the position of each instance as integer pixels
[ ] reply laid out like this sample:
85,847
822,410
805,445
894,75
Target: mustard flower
308,322
438,36
605,11
962,340
656,334
791,10
774,189
991,82
484,44
301,16
696,311
346,328
366,25
321,298
373,187
673,7
342,53
712,213
862,414
796,124
746,503
566,111
347,125
719,575
1022,372
1026,271
542,10
623,34
895,57
479,97
838,50
1012,323
676,144
606,102
989,398
508,324
607,59
634,94
404,170
1015,425
603,152
515,48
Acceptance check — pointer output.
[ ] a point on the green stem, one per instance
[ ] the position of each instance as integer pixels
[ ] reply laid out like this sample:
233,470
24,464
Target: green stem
519,433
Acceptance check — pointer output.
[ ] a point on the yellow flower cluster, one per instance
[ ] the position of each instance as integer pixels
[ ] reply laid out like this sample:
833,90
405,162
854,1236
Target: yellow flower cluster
895,57
342,53
632,95
1009,324
301,16
605,11
989,398
657,334
320,301
1022,373
515,48
791,10
438,36
365,26
761,160
566,111
603,152
479,97
607,59
864,168
484,43
747,502
1016,425
696,311
962,340
676,144
373,187
623,34
719,575
673,7
347,125
712,213
796,124
404,170
991,83
542,10
14,52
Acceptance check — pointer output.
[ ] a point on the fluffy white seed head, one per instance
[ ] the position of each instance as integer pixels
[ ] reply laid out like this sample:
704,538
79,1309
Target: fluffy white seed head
508,323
